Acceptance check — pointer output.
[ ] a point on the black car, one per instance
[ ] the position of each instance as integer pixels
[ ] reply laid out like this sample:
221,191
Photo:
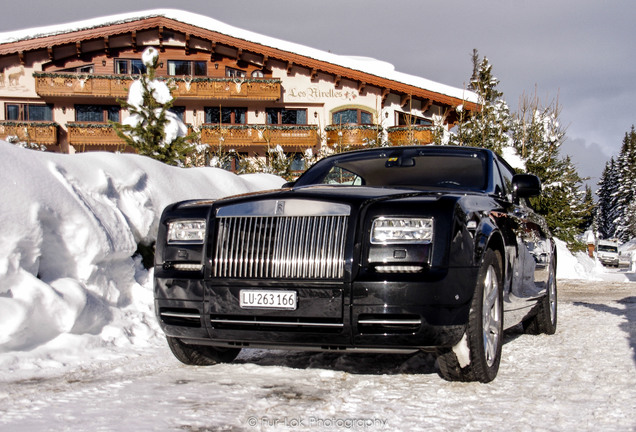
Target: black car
395,249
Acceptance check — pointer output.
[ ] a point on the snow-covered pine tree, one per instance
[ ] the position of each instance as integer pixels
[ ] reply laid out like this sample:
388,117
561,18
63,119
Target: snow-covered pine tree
488,127
537,136
151,128
625,193
606,206
589,207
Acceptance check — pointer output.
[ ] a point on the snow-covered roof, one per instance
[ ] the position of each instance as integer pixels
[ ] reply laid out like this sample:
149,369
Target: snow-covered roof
363,64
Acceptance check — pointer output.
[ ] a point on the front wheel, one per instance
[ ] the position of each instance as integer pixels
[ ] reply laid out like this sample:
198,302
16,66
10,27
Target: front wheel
477,356
200,355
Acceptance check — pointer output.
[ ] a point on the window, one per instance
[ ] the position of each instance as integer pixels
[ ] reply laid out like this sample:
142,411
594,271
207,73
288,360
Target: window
405,119
129,67
28,112
352,116
286,116
87,69
179,111
258,74
96,113
187,67
225,115
297,162
234,73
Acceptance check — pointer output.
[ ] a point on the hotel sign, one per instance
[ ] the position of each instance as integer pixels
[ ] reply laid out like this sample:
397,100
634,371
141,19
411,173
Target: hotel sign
316,93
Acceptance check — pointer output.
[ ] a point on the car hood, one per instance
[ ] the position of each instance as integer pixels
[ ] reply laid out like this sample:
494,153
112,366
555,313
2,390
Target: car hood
353,195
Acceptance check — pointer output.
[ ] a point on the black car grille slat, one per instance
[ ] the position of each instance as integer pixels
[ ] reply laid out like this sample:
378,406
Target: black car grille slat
306,247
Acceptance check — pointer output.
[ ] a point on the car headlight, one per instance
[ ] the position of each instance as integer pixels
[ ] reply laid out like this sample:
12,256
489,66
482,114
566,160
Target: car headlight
186,231
391,230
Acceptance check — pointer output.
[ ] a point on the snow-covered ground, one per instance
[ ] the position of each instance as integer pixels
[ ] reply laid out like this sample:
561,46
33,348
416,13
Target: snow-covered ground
80,348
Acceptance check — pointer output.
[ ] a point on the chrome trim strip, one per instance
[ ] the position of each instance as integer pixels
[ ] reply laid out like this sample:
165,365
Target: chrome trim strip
390,322
289,207
278,323
180,315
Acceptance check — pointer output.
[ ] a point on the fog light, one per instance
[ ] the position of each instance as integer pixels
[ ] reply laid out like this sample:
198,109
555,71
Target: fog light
398,269
187,266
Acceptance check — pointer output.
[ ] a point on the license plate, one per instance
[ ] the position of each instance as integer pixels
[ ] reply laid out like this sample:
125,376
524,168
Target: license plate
267,299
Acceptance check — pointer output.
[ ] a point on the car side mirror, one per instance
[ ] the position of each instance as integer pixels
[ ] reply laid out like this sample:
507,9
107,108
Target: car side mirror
288,185
526,185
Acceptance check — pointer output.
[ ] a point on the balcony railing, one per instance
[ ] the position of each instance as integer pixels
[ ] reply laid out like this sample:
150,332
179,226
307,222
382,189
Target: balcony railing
406,135
349,136
92,134
288,137
116,86
33,132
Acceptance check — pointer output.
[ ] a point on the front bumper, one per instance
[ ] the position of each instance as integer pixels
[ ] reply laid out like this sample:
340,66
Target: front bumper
363,315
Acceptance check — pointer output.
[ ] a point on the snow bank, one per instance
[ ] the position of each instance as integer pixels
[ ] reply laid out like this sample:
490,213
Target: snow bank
69,227
581,266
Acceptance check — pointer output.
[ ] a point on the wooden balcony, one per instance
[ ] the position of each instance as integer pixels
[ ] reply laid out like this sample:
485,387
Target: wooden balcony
345,137
221,88
93,134
116,86
407,135
236,136
33,132
66,84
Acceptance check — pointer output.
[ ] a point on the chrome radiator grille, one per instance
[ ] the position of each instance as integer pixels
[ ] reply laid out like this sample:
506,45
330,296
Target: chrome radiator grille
310,247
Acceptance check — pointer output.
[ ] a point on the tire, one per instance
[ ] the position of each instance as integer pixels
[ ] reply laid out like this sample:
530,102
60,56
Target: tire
484,333
545,321
200,355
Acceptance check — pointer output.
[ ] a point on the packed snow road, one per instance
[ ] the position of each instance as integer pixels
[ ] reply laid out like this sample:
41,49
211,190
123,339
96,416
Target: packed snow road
582,378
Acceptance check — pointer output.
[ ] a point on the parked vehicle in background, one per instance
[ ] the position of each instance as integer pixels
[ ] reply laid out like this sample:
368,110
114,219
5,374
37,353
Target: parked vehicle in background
391,250
607,252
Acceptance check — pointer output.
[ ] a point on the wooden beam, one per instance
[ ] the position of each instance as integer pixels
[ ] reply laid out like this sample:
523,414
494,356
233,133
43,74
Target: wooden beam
314,74
239,54
107,45
78,49
426,104
289,68
21,57
187,43
161,47
385,93
361,87
336,81
405,99
212,51
133,40
49,51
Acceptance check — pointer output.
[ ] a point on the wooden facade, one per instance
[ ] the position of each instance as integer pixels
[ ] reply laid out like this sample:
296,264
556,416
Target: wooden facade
235,92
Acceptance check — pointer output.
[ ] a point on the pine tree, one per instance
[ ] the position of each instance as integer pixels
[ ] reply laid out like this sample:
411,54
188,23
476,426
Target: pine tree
589,207
625,193
151,128
606,213
489,126
537,135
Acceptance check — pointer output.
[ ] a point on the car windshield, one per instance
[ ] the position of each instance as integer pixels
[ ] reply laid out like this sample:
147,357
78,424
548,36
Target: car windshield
403,167
607,248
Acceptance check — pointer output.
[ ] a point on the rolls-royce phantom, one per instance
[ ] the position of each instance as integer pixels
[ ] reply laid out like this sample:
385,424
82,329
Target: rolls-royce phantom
397,249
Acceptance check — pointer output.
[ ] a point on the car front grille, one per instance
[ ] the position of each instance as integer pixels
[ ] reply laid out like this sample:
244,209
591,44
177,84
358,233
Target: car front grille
307,247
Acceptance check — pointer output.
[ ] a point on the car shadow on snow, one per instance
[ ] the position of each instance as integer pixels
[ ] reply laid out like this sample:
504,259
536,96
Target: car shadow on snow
354,363
629,312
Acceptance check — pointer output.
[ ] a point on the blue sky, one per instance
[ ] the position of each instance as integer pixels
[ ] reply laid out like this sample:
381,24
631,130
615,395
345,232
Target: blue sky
581,53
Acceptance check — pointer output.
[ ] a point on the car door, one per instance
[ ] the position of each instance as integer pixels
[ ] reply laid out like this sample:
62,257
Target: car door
529,253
